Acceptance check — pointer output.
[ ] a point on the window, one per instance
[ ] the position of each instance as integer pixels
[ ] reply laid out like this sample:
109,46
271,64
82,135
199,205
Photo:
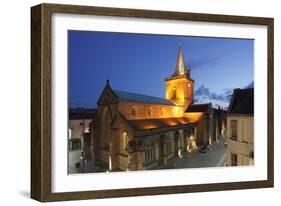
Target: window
149,153
161,111
174,112
124,140
168,146
233,159
174,93
133,112
189,89
233,129
244,132
149,112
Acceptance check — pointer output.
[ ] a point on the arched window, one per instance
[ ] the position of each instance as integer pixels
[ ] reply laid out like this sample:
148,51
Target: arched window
161,111
174,93
149,112
124,140
149,153
133,112
189,90
105,128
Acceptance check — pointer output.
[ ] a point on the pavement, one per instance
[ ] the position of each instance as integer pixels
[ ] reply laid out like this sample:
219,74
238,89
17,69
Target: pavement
73,158
214,157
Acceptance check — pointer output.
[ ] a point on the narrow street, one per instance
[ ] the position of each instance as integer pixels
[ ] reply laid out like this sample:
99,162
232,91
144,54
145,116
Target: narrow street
214,157
88,166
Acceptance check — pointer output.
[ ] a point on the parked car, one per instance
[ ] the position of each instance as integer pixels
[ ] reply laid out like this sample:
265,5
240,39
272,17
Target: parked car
203,149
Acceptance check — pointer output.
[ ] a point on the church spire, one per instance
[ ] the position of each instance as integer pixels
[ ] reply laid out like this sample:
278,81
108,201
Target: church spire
180,68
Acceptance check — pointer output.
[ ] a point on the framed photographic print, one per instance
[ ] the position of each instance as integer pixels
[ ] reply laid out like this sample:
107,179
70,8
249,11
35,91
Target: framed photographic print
130,102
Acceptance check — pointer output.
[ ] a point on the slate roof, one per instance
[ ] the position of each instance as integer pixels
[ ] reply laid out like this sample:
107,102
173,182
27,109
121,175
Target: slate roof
133,97
219,112
198,108
242,102
82,113
144,124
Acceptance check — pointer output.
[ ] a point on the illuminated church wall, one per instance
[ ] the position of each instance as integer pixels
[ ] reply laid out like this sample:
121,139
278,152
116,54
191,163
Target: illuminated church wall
148,111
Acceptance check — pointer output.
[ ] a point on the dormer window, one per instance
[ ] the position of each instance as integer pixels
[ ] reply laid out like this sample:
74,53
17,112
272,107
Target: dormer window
133,112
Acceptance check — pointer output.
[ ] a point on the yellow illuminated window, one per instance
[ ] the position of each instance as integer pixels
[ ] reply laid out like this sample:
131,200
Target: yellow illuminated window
124,140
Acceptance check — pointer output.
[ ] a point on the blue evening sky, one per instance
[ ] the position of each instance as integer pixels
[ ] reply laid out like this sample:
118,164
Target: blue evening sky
140,62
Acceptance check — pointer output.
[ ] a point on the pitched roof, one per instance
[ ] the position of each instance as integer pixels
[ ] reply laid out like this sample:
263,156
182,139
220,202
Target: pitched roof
148,124
198,108
82,113
133,97
242,102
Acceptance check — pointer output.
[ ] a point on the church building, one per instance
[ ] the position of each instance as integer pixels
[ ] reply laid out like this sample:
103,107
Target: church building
137,132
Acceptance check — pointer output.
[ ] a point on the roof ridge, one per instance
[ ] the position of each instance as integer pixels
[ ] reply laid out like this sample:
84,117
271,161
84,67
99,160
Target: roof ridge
140,94
135,97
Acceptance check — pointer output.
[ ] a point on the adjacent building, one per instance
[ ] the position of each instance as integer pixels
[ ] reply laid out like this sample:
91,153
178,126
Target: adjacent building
219,123
79,124
240,130
134,131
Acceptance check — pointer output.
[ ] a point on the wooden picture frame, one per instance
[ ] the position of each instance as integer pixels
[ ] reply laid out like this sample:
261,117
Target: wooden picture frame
41,101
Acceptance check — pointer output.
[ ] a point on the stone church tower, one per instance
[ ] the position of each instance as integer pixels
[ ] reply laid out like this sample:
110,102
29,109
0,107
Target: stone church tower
180,87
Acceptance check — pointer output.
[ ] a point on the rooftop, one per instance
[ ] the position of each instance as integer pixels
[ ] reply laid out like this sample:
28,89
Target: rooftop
82,113
242,102
198,108
134,97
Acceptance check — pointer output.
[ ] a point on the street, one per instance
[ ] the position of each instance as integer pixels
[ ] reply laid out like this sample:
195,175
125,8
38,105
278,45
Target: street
88,166
214,157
